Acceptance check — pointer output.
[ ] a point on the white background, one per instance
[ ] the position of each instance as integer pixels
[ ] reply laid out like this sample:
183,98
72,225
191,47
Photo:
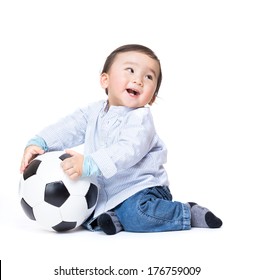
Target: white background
51,54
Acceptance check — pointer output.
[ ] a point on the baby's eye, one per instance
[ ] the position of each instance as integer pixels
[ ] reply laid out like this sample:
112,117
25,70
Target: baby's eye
129,69
150,77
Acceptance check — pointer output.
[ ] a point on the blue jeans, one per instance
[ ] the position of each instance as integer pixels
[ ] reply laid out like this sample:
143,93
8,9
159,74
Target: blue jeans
152,210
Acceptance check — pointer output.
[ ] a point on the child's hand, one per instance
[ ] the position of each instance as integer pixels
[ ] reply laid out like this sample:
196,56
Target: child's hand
29,154
73,165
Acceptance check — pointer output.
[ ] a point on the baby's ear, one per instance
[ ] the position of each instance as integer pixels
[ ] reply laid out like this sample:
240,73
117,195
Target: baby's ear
104,80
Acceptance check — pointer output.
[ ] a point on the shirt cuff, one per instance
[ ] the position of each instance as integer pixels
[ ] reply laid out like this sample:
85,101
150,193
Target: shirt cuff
38,141
90,168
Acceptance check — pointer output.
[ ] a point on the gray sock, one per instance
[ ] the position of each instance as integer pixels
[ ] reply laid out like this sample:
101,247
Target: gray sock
202,217
109,223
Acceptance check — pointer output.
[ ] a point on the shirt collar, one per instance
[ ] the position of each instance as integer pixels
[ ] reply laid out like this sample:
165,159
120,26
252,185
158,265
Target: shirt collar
118,110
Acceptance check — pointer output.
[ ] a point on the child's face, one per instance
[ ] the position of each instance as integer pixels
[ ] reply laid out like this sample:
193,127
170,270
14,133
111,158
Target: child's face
131,80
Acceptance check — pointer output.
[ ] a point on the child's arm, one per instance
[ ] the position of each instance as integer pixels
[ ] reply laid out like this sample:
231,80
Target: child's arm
136,139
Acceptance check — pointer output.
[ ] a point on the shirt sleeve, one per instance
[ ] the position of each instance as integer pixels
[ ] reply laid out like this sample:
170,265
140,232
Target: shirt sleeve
67,132
136,139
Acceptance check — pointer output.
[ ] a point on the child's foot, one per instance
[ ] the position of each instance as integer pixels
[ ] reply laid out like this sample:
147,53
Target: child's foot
202,217
109,223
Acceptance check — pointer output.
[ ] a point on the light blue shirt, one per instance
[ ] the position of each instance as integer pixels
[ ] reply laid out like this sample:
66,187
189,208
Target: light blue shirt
123,144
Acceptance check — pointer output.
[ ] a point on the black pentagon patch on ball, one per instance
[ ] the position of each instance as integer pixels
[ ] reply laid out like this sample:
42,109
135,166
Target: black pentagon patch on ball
91,196
31,169
64,226
64,156
56,193
27,209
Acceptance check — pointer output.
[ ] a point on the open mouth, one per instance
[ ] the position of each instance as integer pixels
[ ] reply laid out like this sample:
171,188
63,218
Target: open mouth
132,92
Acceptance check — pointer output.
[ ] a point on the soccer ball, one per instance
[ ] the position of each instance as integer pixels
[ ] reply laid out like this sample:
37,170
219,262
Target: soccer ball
51,198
